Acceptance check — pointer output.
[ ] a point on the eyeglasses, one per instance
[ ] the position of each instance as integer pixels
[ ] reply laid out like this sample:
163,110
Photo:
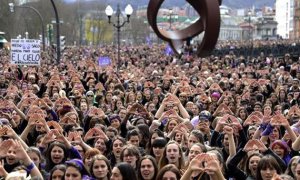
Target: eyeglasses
90,95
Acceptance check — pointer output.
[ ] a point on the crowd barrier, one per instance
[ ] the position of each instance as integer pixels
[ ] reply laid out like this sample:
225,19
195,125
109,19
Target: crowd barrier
275,50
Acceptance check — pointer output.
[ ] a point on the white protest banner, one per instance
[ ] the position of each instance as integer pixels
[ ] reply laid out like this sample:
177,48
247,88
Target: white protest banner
25,52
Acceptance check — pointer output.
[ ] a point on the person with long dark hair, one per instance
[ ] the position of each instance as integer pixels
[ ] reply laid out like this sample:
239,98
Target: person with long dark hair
123,171
75,170
147,168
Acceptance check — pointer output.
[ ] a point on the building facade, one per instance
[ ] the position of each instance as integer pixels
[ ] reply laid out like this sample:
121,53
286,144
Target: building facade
266,28
284,17
296,31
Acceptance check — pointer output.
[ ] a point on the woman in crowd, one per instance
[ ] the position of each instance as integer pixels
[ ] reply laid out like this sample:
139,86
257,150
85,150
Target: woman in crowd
291,169
267,168
157,148
57,172
172,155
123,171
75,170
117,146
147,169
100,168
131,155
153,135
169,171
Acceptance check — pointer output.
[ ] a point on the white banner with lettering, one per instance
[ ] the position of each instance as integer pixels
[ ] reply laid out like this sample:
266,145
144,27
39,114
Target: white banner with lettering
25,52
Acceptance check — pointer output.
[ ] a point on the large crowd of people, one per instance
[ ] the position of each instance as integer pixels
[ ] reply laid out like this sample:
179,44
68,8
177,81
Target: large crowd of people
150,116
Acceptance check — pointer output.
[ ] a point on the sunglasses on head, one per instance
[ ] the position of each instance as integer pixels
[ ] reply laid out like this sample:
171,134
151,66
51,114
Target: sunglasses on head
5,110
203,120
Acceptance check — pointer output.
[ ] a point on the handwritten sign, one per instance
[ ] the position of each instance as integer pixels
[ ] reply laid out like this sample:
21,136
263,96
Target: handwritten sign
104,61
25,52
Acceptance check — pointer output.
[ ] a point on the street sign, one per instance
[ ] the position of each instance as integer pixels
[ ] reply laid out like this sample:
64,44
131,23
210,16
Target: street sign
25,52
62,43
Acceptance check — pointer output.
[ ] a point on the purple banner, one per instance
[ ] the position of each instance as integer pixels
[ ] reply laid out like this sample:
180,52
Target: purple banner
104,61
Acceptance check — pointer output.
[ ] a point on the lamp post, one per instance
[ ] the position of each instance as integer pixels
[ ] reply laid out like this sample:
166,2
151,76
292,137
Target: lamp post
57,32
250,37
170,18
12,9
249,25
119,25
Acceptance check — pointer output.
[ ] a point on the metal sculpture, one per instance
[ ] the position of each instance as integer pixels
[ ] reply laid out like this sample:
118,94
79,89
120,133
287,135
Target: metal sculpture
209,23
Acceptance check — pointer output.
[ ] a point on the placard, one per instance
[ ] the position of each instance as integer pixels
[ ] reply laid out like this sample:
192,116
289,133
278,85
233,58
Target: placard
104,61
25,52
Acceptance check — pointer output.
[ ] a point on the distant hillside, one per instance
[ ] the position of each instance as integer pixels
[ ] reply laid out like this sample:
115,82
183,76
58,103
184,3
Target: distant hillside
248,3
235,4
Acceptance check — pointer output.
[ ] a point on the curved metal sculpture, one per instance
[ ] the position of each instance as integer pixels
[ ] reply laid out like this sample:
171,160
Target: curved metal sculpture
209,23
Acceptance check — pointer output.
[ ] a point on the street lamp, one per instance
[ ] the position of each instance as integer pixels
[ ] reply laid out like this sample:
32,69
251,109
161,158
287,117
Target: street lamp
250,37
57,32
12,9
170,18
109,12
249,25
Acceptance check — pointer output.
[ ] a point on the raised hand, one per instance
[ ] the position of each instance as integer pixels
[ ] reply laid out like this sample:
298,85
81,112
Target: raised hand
3,131
228,130
77,138
37,118
5,145
10,132
142,110
171,99
212,165
166,99
19,150
196,163
71,137
48,138
96,112
230,120
251,145
54,125
252,120
6,115
100,134
169,113
262,147
276,177
59,136
254,144
3,172
92,133
133,108
31,122
284,122
279,120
